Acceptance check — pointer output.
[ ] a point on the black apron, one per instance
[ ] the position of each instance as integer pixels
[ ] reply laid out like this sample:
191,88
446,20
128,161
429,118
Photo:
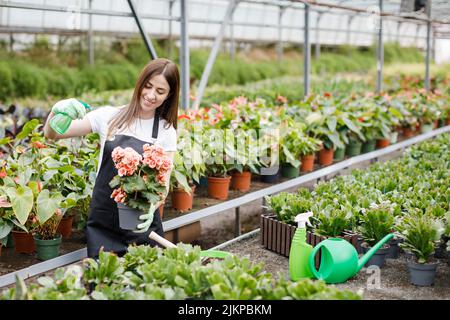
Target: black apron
102,228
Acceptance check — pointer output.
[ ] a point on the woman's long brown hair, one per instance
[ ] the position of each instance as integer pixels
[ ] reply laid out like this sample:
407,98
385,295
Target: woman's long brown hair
169,108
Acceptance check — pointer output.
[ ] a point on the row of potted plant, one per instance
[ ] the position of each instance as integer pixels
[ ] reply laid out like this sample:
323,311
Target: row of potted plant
43,186
174,273
321,123
408,196
328,126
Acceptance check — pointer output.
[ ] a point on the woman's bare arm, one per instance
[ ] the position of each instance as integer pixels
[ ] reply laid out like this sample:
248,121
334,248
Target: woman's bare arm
77,128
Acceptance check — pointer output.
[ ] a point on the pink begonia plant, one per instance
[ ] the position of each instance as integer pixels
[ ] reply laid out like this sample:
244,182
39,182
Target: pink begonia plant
141,179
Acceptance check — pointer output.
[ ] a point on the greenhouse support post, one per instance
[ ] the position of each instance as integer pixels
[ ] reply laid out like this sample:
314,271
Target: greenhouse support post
317,44
213,54
427,56
306,53
169,40
280,33
147,41
184,55
380,51
90,37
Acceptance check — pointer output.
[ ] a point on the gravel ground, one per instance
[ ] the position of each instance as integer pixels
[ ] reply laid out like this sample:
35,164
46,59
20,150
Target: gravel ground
394,281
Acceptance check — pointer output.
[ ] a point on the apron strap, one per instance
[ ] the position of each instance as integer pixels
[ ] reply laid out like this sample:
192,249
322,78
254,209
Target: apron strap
155,126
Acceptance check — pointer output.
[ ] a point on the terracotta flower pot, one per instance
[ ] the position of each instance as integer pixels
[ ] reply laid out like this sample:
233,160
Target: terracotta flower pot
448,122
383,143
218,187
182,200
418,126
65,227
241,181
326,156
161,210
407,132
307,163
23,242
436,124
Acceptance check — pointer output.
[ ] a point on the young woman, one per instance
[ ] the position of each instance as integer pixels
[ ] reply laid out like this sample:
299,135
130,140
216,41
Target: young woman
150,117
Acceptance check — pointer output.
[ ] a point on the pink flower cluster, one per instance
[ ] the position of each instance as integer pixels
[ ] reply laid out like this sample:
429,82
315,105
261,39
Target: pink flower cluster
119,195
126,160
155,158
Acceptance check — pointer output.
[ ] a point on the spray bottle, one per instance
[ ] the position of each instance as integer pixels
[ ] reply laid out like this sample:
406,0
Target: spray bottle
300,250
61,121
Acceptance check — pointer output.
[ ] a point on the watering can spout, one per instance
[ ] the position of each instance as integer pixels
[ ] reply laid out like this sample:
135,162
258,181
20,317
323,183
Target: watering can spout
363,260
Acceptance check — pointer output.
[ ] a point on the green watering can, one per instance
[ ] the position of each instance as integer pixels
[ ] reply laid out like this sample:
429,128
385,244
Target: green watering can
339,260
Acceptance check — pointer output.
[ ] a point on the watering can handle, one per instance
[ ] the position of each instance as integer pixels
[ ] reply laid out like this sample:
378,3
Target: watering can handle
312,261
164,242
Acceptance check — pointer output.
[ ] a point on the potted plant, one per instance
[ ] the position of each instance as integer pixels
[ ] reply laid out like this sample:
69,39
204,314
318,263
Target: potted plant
6,224
332,222
181,185
339,152
46,236
141,183
421,234
376,222
291,138
354,134
218,180
246,160
20,200
31,205
324,128
269,155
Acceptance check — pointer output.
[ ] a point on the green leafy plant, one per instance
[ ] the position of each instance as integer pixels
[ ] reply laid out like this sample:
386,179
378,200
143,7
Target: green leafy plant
174,273
331,222
421,233
295,143
180,175
287,206
376,222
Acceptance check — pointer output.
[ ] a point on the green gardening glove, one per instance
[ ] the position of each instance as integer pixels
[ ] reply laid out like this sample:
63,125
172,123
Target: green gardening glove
147,218
72,107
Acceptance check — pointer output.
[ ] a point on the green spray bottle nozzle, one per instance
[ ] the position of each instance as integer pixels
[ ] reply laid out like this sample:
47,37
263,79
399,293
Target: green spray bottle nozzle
303,218
88,107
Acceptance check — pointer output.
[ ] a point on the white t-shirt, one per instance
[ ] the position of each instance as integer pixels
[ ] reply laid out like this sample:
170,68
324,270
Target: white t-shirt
141,129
